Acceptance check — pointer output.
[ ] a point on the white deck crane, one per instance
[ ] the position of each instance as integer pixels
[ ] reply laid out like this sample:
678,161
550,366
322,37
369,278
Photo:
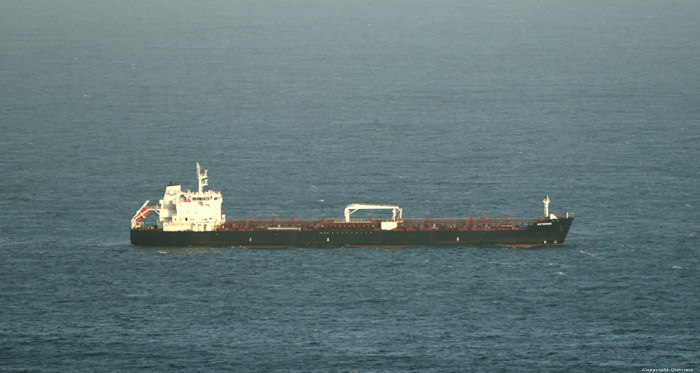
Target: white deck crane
351,209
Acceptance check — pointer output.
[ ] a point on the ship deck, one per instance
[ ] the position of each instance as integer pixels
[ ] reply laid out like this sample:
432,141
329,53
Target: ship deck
460,224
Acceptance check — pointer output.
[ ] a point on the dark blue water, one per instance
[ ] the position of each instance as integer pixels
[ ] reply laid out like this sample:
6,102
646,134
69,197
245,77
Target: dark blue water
301,107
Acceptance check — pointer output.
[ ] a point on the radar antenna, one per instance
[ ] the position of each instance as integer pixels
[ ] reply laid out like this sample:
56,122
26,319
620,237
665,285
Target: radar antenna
201,178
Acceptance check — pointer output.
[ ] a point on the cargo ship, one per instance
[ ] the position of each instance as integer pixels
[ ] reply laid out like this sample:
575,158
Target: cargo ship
194,218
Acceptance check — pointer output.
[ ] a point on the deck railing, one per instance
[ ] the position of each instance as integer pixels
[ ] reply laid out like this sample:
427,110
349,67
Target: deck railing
426,222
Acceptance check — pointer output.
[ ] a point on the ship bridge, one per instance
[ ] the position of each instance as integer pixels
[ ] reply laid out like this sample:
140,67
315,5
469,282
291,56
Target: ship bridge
185,210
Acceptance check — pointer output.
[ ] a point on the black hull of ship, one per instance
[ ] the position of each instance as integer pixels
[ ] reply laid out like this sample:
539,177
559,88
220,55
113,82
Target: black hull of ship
551,233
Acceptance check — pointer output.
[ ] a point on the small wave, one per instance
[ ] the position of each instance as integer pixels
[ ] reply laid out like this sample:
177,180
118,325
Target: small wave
587,253
505,263
677,267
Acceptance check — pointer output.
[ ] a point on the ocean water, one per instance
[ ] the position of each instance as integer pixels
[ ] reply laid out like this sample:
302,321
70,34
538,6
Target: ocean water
300,107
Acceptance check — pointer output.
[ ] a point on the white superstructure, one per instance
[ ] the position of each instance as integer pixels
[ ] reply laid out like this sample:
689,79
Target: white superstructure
185,210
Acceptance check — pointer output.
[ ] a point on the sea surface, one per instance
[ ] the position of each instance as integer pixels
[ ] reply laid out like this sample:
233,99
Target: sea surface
299,107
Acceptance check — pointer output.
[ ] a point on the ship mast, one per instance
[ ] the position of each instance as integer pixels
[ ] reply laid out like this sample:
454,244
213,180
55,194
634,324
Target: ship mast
546,206
201,178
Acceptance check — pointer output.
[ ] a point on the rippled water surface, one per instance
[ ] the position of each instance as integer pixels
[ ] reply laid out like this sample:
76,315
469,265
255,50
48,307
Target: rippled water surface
300,107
